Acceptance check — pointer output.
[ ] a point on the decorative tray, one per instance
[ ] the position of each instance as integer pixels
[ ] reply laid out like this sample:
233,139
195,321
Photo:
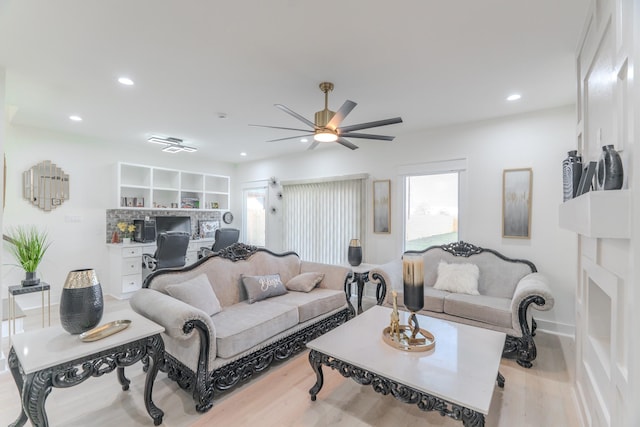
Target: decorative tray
105,330
424,340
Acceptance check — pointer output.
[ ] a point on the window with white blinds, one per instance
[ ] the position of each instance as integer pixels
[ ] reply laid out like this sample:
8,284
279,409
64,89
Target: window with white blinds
320,218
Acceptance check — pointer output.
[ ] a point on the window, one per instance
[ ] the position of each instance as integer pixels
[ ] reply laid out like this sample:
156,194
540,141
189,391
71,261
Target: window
431,210
255,200
320,218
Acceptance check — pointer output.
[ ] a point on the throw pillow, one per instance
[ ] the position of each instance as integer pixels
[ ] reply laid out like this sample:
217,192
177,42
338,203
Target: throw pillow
459,278
304,282
198,293
263,287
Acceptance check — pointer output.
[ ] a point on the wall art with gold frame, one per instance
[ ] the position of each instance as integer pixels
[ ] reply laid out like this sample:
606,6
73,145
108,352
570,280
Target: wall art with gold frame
516,203
382,206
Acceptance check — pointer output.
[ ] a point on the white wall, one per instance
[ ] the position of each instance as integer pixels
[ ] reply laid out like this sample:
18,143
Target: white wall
3,120
538,140
77,227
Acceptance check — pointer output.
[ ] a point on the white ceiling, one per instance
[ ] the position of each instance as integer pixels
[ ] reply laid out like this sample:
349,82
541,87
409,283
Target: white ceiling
432,62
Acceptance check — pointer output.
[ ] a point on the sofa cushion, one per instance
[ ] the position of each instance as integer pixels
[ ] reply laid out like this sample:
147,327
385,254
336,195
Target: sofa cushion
460,278
314,303
196,292
243,325
482,308
304,282
262,287
433,299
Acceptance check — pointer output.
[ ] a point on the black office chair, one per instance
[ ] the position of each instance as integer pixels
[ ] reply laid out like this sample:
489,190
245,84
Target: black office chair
224,237
171,252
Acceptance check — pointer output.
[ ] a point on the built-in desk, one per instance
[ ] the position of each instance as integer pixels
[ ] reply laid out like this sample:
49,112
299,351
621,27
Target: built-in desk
125,264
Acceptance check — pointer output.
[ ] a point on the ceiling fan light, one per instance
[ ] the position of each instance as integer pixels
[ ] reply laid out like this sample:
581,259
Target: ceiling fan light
325,136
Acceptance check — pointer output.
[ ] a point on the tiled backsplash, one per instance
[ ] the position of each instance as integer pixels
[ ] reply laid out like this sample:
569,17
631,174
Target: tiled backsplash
114,216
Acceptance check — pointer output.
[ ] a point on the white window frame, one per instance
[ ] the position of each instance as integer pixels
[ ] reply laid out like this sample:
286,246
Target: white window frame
433,168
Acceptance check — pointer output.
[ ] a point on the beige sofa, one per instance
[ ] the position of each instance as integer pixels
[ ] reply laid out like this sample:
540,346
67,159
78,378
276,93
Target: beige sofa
508,290
207,354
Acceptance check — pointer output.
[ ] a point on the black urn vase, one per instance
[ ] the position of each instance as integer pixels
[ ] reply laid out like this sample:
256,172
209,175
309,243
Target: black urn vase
571,173
610,172
81,304
354,253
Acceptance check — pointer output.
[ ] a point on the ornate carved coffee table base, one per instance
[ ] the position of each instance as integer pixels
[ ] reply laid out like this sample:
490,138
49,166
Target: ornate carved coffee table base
35,387
385,386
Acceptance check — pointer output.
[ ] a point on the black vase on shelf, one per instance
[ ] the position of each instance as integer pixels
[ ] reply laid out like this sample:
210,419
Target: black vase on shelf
81,303
571,173
610,173
30,279
355,253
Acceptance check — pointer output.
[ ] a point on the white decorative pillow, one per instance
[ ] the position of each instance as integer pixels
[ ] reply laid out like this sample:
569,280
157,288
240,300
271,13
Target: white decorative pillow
304,282
459,278
198,293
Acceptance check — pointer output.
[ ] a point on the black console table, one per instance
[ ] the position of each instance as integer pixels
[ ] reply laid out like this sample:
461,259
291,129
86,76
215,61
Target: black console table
57,359
360,278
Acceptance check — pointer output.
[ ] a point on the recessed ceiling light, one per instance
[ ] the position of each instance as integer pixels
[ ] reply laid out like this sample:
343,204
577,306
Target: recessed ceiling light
514,97
125,81
304,140
243,154
75,118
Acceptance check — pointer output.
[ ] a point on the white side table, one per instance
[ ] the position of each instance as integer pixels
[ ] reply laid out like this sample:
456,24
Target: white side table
52,358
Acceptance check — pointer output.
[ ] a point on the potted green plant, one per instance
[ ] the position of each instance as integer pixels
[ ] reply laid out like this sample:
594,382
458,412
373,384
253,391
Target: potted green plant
28,245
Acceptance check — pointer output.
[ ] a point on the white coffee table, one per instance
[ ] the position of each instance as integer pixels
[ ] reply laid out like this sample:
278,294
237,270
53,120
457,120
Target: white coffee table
52,358
456,379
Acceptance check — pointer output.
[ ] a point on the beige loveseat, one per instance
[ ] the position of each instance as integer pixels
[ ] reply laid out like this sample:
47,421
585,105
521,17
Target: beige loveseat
508,290
210,348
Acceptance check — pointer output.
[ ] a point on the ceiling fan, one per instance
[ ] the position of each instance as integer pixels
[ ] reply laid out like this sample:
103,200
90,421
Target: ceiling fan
326,126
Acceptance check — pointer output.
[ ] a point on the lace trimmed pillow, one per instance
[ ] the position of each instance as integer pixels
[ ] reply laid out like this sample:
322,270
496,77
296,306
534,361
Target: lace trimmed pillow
458,278
304,282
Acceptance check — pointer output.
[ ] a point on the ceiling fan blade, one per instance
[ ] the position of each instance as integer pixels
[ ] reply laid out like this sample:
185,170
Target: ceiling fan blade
313,145
346,143
368,136
339,116
291,137
371,124
279,127
294,114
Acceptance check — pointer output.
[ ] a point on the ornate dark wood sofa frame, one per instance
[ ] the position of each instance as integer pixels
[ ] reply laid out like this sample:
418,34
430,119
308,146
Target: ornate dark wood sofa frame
205,384
537,295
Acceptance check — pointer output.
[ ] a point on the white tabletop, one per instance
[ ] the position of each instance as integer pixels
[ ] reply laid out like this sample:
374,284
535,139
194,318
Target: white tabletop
362,268
43,348
462,368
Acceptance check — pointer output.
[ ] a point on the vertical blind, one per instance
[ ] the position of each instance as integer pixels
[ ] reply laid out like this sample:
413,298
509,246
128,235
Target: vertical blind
321,218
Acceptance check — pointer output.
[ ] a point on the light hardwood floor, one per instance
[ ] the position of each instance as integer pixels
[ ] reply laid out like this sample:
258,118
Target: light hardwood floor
537,397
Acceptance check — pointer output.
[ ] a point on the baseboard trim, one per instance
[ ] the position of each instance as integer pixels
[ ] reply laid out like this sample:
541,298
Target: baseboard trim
556,328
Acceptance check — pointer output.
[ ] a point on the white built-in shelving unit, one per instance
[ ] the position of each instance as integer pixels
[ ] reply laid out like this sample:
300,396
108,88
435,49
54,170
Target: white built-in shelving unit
150,187
607,376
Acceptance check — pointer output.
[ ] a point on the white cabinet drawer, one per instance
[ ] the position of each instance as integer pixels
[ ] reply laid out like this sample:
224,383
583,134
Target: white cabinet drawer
131,283
131,265
132,251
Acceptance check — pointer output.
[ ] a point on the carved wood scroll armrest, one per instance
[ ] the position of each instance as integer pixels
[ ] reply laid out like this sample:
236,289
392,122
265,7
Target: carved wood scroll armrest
531,289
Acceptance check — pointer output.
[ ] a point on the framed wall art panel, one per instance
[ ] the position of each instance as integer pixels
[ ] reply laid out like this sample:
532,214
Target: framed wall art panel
516,203
382,206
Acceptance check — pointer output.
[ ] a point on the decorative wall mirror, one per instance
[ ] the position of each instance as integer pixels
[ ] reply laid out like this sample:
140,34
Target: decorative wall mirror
46,185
